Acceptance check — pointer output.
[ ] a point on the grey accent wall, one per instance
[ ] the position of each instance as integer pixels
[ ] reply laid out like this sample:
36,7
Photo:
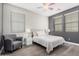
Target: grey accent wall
69,36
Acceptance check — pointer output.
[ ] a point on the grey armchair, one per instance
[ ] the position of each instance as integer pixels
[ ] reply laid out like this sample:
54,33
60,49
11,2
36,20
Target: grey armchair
12,42
2,44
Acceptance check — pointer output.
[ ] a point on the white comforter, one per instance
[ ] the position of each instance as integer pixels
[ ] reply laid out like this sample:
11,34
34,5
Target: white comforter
49,41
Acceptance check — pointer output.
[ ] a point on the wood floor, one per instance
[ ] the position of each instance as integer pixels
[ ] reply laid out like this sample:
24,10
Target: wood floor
37,50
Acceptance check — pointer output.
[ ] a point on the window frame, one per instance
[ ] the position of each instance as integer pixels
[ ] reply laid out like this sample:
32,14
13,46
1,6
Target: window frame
11,22
61,23
77,21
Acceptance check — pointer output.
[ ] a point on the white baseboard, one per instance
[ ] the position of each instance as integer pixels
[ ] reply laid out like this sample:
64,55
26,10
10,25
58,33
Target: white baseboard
72,43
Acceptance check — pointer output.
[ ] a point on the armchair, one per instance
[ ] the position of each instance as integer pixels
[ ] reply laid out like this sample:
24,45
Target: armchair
12,42
1,44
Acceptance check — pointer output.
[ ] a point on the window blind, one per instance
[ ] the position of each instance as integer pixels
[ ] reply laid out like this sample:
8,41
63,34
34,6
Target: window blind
58,23
17,22
71,22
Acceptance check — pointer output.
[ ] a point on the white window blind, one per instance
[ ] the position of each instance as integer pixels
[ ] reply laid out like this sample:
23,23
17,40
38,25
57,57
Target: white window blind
58,23
71,22
17,22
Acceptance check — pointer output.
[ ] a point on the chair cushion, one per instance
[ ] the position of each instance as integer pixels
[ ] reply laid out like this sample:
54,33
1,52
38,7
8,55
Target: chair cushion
17,44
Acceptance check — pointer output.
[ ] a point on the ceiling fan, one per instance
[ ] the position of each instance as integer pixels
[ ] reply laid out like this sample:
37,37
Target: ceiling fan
47,6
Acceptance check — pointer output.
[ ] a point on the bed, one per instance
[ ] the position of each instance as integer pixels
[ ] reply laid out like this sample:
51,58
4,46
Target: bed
49,41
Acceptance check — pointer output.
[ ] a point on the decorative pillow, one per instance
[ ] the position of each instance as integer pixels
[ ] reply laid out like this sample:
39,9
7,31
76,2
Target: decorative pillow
35,34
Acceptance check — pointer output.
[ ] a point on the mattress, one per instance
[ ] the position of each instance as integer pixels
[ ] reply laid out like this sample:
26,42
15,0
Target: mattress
49,41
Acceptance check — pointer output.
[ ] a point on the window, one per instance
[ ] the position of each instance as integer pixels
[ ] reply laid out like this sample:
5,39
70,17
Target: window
17,22
58,24
71,22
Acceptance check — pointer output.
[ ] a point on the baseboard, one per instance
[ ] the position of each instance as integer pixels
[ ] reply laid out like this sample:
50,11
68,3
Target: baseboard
72,43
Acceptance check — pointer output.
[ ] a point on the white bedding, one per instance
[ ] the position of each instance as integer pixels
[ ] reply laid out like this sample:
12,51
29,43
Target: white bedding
49,41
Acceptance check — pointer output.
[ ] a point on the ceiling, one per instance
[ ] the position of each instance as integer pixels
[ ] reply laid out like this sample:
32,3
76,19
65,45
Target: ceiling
57,7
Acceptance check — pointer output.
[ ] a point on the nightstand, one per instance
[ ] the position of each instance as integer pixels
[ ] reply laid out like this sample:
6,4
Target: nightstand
28,41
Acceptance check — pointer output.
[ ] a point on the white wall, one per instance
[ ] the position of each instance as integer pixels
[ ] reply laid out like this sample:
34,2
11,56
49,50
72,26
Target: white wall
0,18
32,20
37,21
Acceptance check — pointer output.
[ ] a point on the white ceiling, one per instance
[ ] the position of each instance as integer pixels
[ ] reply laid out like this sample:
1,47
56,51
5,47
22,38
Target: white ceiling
34,7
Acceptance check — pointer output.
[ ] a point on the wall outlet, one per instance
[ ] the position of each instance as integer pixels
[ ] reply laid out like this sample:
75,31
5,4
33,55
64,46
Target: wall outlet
69,39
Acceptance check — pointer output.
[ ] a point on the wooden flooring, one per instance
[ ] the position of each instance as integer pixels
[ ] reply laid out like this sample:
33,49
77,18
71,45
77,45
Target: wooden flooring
37,50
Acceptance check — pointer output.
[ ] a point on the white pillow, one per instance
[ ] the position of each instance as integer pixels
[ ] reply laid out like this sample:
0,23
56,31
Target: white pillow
41,33
35,34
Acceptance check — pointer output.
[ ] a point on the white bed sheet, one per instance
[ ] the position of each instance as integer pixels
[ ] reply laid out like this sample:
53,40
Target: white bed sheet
49,41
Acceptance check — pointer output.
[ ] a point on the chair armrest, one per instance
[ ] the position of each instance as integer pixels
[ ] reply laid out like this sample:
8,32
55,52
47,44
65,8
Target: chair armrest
8,42
19,38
